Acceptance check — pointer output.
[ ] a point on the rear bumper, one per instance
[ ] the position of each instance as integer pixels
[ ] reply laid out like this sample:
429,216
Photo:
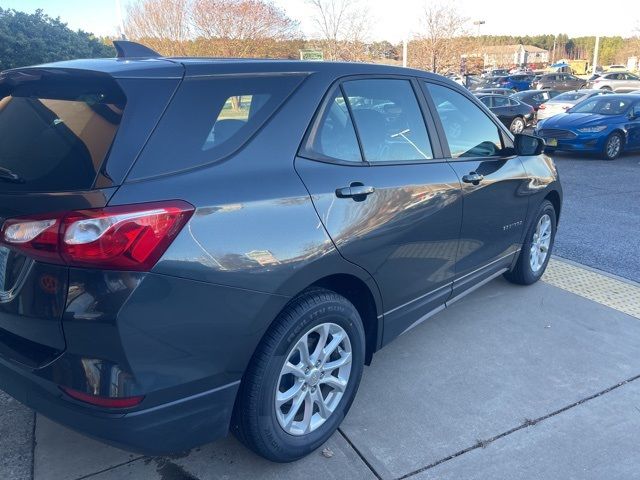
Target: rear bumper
163,429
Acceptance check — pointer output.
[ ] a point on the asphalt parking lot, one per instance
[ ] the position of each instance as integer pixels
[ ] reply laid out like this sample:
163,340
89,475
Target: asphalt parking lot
512,382
601,213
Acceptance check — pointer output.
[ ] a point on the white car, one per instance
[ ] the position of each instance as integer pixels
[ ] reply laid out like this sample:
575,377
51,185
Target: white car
565,101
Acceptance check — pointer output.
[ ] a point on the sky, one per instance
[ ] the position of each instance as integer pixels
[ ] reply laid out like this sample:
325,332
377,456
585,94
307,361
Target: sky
392,19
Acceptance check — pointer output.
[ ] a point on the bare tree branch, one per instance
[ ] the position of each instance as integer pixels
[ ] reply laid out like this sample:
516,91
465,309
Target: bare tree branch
440,39
342,26
242,26
164,24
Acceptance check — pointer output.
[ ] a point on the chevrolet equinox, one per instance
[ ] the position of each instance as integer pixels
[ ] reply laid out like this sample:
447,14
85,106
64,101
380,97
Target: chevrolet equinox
190,246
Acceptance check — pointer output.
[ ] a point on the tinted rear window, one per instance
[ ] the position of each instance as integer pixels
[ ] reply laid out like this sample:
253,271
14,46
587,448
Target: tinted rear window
210,118
56,133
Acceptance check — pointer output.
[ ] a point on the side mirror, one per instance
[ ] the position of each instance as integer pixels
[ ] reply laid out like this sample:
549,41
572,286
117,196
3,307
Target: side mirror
528,145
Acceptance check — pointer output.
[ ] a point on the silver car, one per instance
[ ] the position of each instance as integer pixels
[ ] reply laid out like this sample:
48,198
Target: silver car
619,82
565,101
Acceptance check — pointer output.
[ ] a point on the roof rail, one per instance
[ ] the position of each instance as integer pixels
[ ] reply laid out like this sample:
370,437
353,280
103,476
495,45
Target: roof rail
127,49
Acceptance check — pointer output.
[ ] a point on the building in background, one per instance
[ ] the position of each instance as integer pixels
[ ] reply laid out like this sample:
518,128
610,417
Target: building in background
514,55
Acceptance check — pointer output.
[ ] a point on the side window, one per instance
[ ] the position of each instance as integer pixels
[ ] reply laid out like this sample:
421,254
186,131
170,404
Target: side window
212,117
469,132
333,136
512,103
500,102
486,100
388,120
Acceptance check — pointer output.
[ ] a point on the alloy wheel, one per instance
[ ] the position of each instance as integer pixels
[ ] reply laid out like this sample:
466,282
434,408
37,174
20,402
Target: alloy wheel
540,243
313,379
614,144
517,126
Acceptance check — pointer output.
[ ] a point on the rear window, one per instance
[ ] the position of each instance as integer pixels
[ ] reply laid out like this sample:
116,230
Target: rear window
55,133
210,118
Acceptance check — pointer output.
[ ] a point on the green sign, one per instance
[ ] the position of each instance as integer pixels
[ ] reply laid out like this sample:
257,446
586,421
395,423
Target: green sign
314,55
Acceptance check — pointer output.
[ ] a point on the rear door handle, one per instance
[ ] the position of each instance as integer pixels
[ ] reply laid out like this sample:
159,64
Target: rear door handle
356,190
473,177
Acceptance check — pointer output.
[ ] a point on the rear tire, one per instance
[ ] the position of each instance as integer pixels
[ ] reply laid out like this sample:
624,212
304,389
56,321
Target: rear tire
613,146
262,419
539,239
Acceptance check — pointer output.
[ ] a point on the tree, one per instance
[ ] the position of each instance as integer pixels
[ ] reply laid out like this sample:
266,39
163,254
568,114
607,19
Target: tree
441,40
243,27
161,24
28,39
342,26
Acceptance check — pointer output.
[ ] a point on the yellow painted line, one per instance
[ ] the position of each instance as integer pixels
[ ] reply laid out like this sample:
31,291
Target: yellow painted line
616,294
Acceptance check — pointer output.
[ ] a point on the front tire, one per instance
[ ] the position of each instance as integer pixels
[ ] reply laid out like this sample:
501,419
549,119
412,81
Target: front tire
613,146
303,377
536,251
517,125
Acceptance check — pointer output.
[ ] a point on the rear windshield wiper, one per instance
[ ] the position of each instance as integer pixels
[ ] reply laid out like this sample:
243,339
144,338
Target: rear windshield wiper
8,176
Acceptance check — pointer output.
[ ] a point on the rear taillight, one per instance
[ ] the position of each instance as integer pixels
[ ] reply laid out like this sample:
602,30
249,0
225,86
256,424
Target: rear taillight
104,402
129,237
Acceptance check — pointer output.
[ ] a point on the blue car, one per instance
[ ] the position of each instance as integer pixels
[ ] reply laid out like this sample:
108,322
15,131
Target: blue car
518,83
606,125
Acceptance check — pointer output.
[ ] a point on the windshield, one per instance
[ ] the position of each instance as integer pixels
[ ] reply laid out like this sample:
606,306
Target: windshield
602,106
569,97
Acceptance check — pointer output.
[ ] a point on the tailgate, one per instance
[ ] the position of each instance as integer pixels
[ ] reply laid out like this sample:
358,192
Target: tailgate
59,130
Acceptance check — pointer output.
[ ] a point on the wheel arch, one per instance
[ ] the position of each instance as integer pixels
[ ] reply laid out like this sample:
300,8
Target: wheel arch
554,197
360,295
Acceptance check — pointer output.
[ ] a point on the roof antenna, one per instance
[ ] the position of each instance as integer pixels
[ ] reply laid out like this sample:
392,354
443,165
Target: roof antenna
127,49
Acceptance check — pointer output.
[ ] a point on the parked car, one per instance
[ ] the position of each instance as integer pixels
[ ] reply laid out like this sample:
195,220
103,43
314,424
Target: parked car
497,91
514,82
459,79
604,124
565,101
619,82
485,82
511,112
164,276
615,68
561,82
535,98
496,72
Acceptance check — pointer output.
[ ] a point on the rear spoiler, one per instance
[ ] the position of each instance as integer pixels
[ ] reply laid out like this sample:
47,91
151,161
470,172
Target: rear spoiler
127,49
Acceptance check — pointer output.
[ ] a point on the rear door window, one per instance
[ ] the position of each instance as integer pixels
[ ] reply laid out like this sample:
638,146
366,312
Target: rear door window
55,135
334,137
500,102
213,117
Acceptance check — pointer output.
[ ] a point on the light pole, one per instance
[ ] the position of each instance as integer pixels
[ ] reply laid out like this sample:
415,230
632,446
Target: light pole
405,48
120,20
479,23
595,54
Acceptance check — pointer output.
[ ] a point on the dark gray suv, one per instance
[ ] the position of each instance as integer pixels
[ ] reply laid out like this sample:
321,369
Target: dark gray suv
190,246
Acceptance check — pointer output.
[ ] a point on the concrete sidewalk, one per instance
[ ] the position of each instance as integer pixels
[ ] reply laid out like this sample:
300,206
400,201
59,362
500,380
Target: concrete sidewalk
511,382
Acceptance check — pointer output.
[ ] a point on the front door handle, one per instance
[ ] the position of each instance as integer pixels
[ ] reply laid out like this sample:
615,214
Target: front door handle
473,177
356,190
